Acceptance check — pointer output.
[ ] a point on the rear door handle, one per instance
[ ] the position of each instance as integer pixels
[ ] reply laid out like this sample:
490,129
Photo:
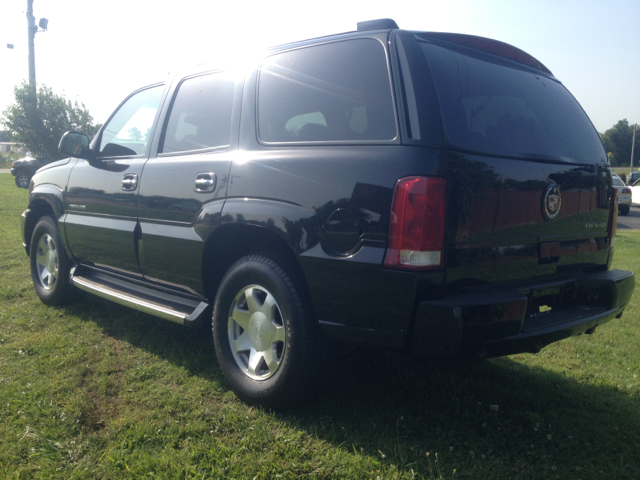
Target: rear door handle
205,182
129,182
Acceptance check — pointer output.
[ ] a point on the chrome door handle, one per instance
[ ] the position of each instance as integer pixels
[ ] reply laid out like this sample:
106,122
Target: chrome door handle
205,182
129,182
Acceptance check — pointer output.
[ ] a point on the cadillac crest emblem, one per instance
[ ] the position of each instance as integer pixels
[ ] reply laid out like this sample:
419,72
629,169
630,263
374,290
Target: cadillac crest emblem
551,202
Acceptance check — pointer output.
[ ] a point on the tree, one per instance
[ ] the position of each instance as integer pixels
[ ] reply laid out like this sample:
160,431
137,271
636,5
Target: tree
37,121
135,134
617,142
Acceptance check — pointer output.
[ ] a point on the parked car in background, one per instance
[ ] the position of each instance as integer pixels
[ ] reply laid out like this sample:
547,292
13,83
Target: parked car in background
438,194
633,178
624,195
24,168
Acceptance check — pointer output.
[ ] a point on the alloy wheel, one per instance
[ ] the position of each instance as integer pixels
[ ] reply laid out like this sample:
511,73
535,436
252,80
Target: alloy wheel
47,261
257,332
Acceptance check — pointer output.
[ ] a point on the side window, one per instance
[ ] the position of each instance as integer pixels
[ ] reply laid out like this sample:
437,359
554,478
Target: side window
129,130
200,116
333,92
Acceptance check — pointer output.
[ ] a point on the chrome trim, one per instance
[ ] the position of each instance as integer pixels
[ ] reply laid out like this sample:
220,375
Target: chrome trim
129,300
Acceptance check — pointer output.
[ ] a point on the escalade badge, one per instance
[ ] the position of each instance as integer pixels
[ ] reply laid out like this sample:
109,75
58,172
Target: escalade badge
551,202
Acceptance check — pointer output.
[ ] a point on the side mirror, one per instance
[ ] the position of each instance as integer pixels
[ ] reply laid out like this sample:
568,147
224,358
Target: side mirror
75,144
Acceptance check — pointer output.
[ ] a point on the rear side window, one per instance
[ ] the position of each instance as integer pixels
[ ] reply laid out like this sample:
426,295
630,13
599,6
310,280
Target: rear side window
492,106
200,116
333,92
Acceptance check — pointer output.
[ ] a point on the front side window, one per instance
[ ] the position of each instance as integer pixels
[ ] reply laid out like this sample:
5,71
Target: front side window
129,130
200,116
333,92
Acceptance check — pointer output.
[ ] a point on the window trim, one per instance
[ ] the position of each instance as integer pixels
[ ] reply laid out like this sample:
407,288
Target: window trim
165,123
393,141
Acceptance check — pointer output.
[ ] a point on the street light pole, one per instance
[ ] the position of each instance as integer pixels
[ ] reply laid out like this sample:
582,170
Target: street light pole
31,21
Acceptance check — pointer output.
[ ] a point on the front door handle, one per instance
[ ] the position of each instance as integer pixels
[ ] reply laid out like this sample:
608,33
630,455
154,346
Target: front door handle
129,182
205,182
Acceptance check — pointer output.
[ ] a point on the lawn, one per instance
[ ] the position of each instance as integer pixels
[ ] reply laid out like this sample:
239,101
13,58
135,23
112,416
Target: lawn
94,390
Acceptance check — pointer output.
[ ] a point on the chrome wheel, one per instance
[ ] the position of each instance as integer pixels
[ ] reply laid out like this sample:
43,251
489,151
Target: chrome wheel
47,261
257,332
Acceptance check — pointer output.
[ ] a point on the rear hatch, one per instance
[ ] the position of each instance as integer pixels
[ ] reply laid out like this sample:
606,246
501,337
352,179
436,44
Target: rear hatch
527,176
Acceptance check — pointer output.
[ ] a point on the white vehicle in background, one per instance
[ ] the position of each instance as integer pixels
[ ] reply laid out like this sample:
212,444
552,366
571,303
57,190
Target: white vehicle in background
624,195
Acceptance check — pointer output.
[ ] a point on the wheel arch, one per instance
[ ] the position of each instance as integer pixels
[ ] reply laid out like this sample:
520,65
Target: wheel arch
46,200
233,241
276,229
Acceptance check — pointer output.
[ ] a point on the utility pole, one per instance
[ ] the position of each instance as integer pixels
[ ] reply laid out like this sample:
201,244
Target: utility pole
633,144
31,21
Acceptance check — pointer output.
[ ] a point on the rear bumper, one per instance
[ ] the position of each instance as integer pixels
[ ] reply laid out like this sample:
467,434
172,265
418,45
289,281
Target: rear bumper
624,199
522,319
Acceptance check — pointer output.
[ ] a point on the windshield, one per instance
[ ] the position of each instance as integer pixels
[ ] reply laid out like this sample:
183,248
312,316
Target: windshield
492,106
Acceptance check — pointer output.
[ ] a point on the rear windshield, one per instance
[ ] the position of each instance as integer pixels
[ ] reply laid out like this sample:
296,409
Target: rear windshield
617,182
492,106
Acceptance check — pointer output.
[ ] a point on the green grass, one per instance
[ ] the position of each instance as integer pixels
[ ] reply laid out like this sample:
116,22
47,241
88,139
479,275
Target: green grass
94,390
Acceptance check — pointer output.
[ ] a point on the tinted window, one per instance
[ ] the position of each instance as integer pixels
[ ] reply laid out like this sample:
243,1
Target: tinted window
492,106
129,130
617,181
333,92
201,114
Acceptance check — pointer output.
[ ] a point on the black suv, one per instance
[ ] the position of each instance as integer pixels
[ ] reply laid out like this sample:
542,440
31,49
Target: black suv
436,193
24,168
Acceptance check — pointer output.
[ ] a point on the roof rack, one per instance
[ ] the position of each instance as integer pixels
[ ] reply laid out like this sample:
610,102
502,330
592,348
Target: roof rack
377,24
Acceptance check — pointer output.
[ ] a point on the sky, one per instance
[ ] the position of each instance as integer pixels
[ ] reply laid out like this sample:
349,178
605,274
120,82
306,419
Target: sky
99,52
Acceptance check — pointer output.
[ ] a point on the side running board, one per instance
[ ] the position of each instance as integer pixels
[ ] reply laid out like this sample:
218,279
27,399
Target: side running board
158,302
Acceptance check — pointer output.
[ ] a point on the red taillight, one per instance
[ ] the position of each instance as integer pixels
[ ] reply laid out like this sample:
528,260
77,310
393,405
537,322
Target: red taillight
416,228
626,190
613,216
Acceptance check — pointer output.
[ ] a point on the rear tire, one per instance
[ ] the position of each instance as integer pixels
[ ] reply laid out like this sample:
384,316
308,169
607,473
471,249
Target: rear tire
267,343
624,210
49,264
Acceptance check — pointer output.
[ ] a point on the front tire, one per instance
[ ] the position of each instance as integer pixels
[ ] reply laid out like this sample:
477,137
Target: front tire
49,264
266,341
22,180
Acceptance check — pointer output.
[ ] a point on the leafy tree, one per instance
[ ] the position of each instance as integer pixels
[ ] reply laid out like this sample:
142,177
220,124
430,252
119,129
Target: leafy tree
135,134
617,142
37,121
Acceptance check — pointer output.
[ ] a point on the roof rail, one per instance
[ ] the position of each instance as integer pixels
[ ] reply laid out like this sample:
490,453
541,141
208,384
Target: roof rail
377,24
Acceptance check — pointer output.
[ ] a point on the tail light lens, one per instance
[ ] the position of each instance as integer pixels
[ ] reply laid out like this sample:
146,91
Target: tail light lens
416,228
613,216
626,190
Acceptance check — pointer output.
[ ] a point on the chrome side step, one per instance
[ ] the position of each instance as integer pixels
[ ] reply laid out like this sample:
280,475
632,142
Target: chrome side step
185,311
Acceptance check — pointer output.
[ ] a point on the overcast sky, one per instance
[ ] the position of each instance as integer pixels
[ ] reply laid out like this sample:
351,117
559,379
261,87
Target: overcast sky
98,52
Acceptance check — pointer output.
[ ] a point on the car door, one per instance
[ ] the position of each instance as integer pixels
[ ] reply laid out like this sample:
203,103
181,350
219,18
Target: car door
101,197
184,185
